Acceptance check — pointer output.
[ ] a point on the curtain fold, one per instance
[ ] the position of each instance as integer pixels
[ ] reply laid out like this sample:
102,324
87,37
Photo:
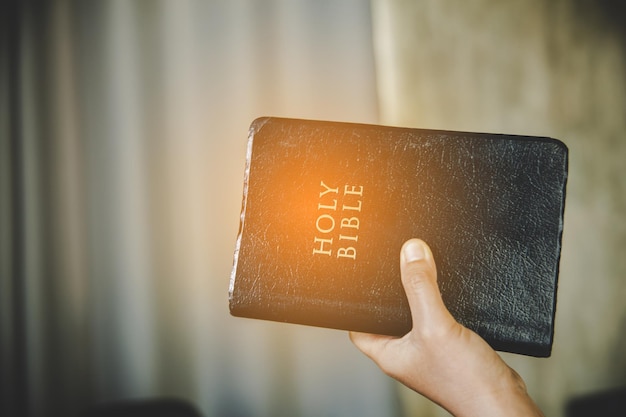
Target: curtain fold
13,385
124,126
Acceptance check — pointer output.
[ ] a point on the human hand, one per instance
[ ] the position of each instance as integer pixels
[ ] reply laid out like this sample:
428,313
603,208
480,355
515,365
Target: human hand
441,359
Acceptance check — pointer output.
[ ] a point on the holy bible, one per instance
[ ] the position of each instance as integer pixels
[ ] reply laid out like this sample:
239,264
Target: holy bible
327,206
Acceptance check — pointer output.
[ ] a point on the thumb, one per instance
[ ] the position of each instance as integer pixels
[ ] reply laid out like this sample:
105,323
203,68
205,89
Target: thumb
419,278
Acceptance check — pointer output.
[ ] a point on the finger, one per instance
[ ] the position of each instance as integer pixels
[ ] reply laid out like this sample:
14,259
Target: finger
419,278
372,345
386,351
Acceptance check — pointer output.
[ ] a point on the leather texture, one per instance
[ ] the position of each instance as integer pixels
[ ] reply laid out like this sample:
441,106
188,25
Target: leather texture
490,207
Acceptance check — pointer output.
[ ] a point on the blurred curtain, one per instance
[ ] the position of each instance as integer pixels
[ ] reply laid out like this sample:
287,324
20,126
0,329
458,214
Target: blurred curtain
123,129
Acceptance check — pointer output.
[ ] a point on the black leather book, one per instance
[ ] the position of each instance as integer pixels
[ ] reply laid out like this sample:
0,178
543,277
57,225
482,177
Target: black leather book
327,207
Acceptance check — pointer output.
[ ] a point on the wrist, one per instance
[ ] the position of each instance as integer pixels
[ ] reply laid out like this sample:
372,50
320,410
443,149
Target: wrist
505,396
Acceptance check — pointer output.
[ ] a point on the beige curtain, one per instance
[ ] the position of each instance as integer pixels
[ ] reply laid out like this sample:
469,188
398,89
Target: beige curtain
548,68
122,143
124,126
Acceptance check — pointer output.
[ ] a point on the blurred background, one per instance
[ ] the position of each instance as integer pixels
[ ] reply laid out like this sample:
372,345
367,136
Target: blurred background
123,128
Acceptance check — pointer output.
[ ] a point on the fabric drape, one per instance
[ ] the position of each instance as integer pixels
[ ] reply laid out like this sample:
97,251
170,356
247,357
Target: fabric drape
124,127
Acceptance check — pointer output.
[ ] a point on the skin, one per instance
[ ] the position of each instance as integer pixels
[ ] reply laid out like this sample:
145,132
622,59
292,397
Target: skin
441,359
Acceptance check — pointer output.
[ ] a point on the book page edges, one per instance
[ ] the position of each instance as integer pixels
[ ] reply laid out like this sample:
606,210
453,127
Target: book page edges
255,127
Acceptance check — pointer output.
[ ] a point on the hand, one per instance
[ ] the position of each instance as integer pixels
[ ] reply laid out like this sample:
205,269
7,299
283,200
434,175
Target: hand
441,359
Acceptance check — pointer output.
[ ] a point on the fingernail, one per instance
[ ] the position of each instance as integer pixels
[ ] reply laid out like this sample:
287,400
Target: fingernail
414,251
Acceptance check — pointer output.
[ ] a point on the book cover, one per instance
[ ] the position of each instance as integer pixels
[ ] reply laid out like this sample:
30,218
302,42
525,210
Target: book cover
327,206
